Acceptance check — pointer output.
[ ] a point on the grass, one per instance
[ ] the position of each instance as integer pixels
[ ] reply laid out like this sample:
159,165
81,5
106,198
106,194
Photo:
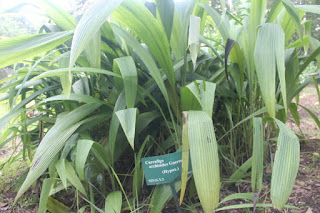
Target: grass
9,178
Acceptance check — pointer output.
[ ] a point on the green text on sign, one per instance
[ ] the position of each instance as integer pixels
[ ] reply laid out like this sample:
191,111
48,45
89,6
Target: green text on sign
163,169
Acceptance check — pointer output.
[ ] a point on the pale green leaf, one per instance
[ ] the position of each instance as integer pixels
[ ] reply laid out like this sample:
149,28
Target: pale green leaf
89,26
285,167
63,71
127,119
293,12
204,158
83,148
139,19
310,8
14,50
257,155
146,59
269,58
194,36
93,50
113,202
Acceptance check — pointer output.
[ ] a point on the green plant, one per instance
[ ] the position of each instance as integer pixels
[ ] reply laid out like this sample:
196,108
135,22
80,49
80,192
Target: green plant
107,93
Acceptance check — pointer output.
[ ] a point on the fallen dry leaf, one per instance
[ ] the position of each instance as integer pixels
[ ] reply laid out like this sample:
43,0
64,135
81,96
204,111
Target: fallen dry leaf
309,210
3,204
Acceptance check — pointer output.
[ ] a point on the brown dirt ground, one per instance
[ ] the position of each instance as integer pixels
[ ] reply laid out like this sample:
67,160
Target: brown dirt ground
306,191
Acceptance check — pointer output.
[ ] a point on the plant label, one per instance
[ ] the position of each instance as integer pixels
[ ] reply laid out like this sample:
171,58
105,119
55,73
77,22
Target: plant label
163,168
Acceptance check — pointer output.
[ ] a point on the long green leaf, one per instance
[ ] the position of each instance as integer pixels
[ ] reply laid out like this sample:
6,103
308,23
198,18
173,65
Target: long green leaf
127,68
14,50
46,186
61,169
139,19
257,156
166,12
89,26
285,167
73,178
269,57
83,148
114,125
204,158
315,118
146,59
293,12
193,39
63,71
53,141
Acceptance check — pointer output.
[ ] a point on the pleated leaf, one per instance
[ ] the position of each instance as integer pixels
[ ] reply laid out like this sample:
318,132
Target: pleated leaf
166,12
113,202
89,26
127,68
146,59
139,19
53,142
269,57
93,50
204,159
14,50
285,167
127,119
293,12
83,148
257,156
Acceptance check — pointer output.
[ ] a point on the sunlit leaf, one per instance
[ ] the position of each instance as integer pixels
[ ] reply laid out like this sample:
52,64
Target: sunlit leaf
285,167
204,158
